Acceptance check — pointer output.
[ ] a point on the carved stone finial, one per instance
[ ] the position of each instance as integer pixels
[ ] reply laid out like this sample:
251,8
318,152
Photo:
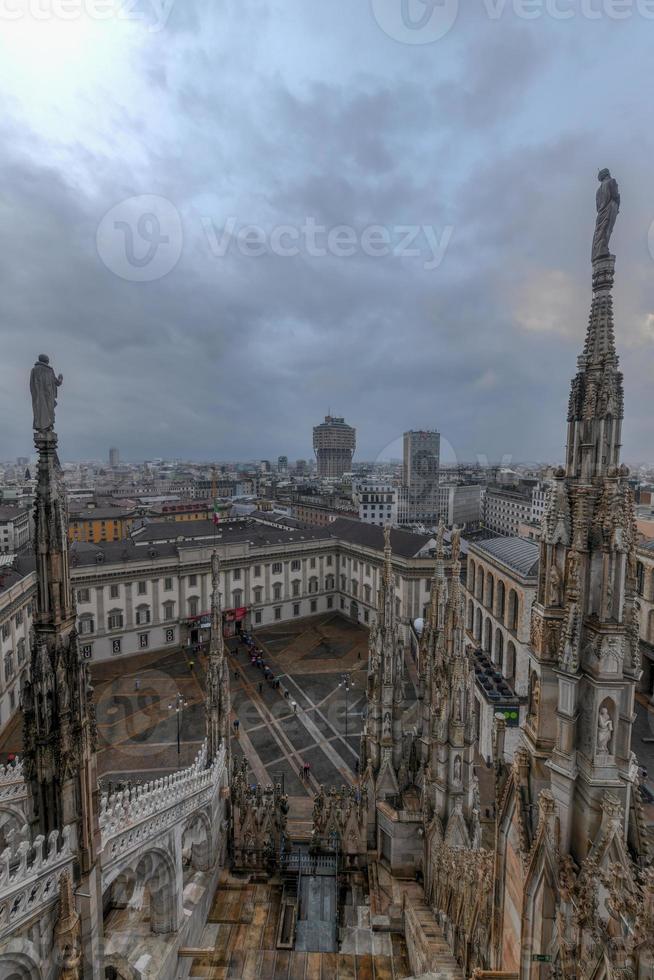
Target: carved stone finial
68,933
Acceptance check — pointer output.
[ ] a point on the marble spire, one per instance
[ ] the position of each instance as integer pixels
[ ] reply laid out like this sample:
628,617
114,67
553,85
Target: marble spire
218,702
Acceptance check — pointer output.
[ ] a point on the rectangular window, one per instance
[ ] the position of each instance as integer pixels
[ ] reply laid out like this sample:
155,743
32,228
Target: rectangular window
19,618
236,574
142,588
296,565
278,612
192,580
144,639
114,591
329,559
257,616
330,602
276,567
168,585
82,595
312,563
296,608
314,605
257,571
115,620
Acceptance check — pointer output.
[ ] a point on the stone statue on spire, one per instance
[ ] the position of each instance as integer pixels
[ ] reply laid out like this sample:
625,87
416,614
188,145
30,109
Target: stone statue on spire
608,206
43,388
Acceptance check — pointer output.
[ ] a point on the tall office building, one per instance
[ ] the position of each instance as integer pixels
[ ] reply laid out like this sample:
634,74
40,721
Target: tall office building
114,457
421,464
334,442
282,465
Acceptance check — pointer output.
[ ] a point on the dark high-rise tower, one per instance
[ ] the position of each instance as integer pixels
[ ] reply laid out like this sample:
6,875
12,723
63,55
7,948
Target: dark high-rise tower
334,443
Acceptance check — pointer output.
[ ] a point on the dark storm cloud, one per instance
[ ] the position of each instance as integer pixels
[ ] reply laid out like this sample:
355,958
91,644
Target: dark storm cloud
283,114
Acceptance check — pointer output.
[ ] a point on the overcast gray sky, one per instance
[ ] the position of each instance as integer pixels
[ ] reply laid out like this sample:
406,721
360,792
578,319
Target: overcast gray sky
136,151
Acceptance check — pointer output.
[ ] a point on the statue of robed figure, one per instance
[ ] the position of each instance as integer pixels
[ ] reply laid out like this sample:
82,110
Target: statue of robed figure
43,387
608,205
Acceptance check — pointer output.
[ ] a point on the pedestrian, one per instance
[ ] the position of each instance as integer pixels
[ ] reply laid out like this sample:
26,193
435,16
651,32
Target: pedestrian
294,706
137,684
260,688
301,772
307,767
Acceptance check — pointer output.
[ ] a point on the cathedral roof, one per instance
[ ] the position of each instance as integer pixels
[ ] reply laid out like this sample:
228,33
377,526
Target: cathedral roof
519,554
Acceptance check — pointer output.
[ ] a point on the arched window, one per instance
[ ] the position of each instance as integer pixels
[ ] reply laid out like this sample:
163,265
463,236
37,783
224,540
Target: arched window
513,611
143,615
471,615
478,626
115,619
488,636
509,664
479,584
490,590
367,593
471,577
329,582
498,653
500,599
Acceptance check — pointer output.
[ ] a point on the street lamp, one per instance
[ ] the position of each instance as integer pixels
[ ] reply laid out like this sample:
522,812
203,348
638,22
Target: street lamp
346,684
178,704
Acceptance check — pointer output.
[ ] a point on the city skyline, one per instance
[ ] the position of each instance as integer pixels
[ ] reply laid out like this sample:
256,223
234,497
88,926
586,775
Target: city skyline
474,334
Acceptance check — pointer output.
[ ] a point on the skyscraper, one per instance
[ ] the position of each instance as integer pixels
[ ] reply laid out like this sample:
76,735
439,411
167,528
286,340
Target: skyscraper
114,457
334,442
421,464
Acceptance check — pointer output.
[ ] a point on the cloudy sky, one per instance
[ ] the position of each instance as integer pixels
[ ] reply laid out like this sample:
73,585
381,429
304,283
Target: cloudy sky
224,218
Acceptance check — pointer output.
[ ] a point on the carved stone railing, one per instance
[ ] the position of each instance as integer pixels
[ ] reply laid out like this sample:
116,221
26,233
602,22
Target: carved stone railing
139,814
29,876
13,788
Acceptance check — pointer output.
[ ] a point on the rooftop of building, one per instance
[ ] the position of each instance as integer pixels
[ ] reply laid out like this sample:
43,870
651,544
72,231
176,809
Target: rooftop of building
404,544
13,568
8,513
520,555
